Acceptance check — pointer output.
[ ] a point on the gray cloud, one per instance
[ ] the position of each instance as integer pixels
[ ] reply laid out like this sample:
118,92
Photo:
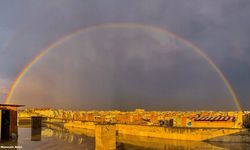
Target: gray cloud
125,69
220,28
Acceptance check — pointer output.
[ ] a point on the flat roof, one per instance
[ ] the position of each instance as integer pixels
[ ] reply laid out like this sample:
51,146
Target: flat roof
12,105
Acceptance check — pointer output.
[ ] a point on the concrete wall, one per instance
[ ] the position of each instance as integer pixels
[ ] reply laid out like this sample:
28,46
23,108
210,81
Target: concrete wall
79,124
243,136
105,137
163,144
194,134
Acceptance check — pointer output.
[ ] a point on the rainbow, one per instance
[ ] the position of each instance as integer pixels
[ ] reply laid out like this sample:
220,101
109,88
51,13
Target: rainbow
124,25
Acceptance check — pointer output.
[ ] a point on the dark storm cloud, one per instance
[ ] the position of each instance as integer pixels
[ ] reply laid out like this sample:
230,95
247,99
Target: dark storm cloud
220,28
123,69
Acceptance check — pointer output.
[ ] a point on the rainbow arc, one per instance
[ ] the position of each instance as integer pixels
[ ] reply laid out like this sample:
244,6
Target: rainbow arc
123,25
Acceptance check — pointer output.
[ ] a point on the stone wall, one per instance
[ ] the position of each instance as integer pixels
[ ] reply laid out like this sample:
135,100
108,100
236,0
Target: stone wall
194,134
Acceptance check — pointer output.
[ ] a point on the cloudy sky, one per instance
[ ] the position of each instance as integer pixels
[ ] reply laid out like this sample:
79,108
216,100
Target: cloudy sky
126,68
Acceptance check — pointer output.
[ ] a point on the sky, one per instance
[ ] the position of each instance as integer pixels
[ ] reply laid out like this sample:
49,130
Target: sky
126,68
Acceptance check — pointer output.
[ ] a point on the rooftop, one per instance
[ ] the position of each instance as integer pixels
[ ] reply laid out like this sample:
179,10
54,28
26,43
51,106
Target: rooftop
11,105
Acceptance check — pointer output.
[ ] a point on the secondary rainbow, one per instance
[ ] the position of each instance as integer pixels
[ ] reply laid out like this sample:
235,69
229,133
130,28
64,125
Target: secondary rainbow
124,25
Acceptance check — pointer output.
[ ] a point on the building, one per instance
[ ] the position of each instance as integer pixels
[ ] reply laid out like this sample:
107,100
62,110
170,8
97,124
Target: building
8,121
213,122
